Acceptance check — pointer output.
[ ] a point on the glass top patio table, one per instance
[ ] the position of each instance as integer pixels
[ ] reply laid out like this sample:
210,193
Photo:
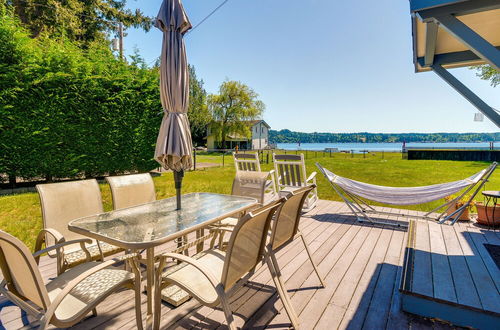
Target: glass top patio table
155,223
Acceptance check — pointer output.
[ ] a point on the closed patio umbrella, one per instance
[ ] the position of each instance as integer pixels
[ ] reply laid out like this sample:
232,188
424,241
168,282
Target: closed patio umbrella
174,146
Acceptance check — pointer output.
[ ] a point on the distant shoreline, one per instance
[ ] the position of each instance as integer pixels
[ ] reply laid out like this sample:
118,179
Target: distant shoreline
287,136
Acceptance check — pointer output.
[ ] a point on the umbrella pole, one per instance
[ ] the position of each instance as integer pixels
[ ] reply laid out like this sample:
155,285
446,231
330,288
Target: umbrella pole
178,175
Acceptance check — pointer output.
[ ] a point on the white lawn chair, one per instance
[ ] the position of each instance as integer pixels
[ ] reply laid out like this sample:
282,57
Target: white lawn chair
68,298
131,190
250,162
291,174
61,203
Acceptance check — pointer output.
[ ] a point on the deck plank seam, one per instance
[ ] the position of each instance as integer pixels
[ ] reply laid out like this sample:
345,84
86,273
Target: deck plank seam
376,282
359,279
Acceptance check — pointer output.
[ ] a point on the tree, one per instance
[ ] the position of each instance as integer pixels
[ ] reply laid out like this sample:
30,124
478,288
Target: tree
235,104
67,111
487,72
199,116
83,21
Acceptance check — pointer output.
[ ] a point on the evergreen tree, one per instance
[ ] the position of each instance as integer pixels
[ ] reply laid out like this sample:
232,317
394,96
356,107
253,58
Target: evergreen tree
83,21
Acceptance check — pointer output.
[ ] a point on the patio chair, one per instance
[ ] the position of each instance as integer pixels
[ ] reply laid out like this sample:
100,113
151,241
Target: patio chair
247,184
68,298
131,190
286,226
212,276
250,162
61,203
291,174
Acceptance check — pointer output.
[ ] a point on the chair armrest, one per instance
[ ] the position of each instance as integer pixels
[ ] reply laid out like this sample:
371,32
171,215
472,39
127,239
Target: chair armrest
58,246
311,177
271,172
227,228
40,239
195,263
71,285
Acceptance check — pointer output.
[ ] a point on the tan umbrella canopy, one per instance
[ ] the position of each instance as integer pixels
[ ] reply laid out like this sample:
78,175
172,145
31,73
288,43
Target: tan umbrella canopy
174,146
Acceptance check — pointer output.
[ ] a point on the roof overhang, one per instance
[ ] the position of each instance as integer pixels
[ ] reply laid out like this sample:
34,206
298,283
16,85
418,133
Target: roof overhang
445,32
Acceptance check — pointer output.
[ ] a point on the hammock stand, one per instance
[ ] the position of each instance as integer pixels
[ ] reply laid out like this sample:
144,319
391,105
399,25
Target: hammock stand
360,208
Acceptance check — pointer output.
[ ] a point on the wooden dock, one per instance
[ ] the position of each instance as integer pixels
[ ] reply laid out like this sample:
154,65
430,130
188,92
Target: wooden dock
363,268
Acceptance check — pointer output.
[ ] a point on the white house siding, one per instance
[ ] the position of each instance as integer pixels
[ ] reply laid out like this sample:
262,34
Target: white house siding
260,136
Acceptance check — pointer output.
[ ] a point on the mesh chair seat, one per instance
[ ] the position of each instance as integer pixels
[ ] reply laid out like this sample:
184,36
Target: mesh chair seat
193,280
78,256
87,292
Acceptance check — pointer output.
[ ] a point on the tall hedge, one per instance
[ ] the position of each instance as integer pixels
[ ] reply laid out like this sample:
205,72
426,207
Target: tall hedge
65,112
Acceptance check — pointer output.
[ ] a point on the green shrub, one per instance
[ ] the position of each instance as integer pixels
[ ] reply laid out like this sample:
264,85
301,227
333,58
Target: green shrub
66,112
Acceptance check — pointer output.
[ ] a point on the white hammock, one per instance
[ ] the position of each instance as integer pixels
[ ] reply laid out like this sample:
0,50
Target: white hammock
355,192
402,195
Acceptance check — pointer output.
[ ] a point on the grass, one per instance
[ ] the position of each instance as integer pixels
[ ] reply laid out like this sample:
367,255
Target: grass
20,214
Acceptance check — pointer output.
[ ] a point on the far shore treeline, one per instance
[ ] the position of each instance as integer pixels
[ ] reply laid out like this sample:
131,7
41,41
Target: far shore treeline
287,136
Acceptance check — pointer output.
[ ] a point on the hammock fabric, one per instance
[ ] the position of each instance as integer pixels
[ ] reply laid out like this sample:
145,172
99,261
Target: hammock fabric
402,195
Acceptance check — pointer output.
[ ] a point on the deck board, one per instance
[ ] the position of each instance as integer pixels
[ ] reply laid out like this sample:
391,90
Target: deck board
361,264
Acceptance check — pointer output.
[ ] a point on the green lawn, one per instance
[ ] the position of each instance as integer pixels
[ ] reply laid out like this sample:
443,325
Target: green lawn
20,214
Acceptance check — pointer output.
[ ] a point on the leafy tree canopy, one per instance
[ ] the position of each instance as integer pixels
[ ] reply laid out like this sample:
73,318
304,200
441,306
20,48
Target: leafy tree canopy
83,21
235,104
487,72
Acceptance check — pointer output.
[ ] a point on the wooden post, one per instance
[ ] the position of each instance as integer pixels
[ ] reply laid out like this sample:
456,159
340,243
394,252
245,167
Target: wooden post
194,159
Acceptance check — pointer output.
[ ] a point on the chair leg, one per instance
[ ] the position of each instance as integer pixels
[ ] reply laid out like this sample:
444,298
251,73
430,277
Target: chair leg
94,312
312,261
137,292
227,311
157,298
285,299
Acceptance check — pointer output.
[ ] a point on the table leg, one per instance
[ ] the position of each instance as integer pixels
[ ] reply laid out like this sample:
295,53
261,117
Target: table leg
150,269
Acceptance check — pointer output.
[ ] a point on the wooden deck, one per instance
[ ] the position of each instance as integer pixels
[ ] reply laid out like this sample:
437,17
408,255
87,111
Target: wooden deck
449,274
362,265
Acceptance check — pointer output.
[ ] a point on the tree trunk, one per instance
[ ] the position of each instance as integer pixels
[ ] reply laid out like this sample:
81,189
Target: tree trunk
12,180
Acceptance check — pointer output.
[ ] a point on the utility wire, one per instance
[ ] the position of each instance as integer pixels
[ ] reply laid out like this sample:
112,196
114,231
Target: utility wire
208,16
198,24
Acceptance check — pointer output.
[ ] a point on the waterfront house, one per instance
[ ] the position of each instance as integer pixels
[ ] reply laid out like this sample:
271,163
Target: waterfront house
259,138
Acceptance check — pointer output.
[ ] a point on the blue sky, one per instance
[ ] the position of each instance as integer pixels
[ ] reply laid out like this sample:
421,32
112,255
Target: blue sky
322,65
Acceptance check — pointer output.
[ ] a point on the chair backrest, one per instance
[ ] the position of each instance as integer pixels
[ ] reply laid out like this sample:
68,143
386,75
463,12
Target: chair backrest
290,170
247,243
287,223
250,184
131,190
246,162
66,201
20,271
